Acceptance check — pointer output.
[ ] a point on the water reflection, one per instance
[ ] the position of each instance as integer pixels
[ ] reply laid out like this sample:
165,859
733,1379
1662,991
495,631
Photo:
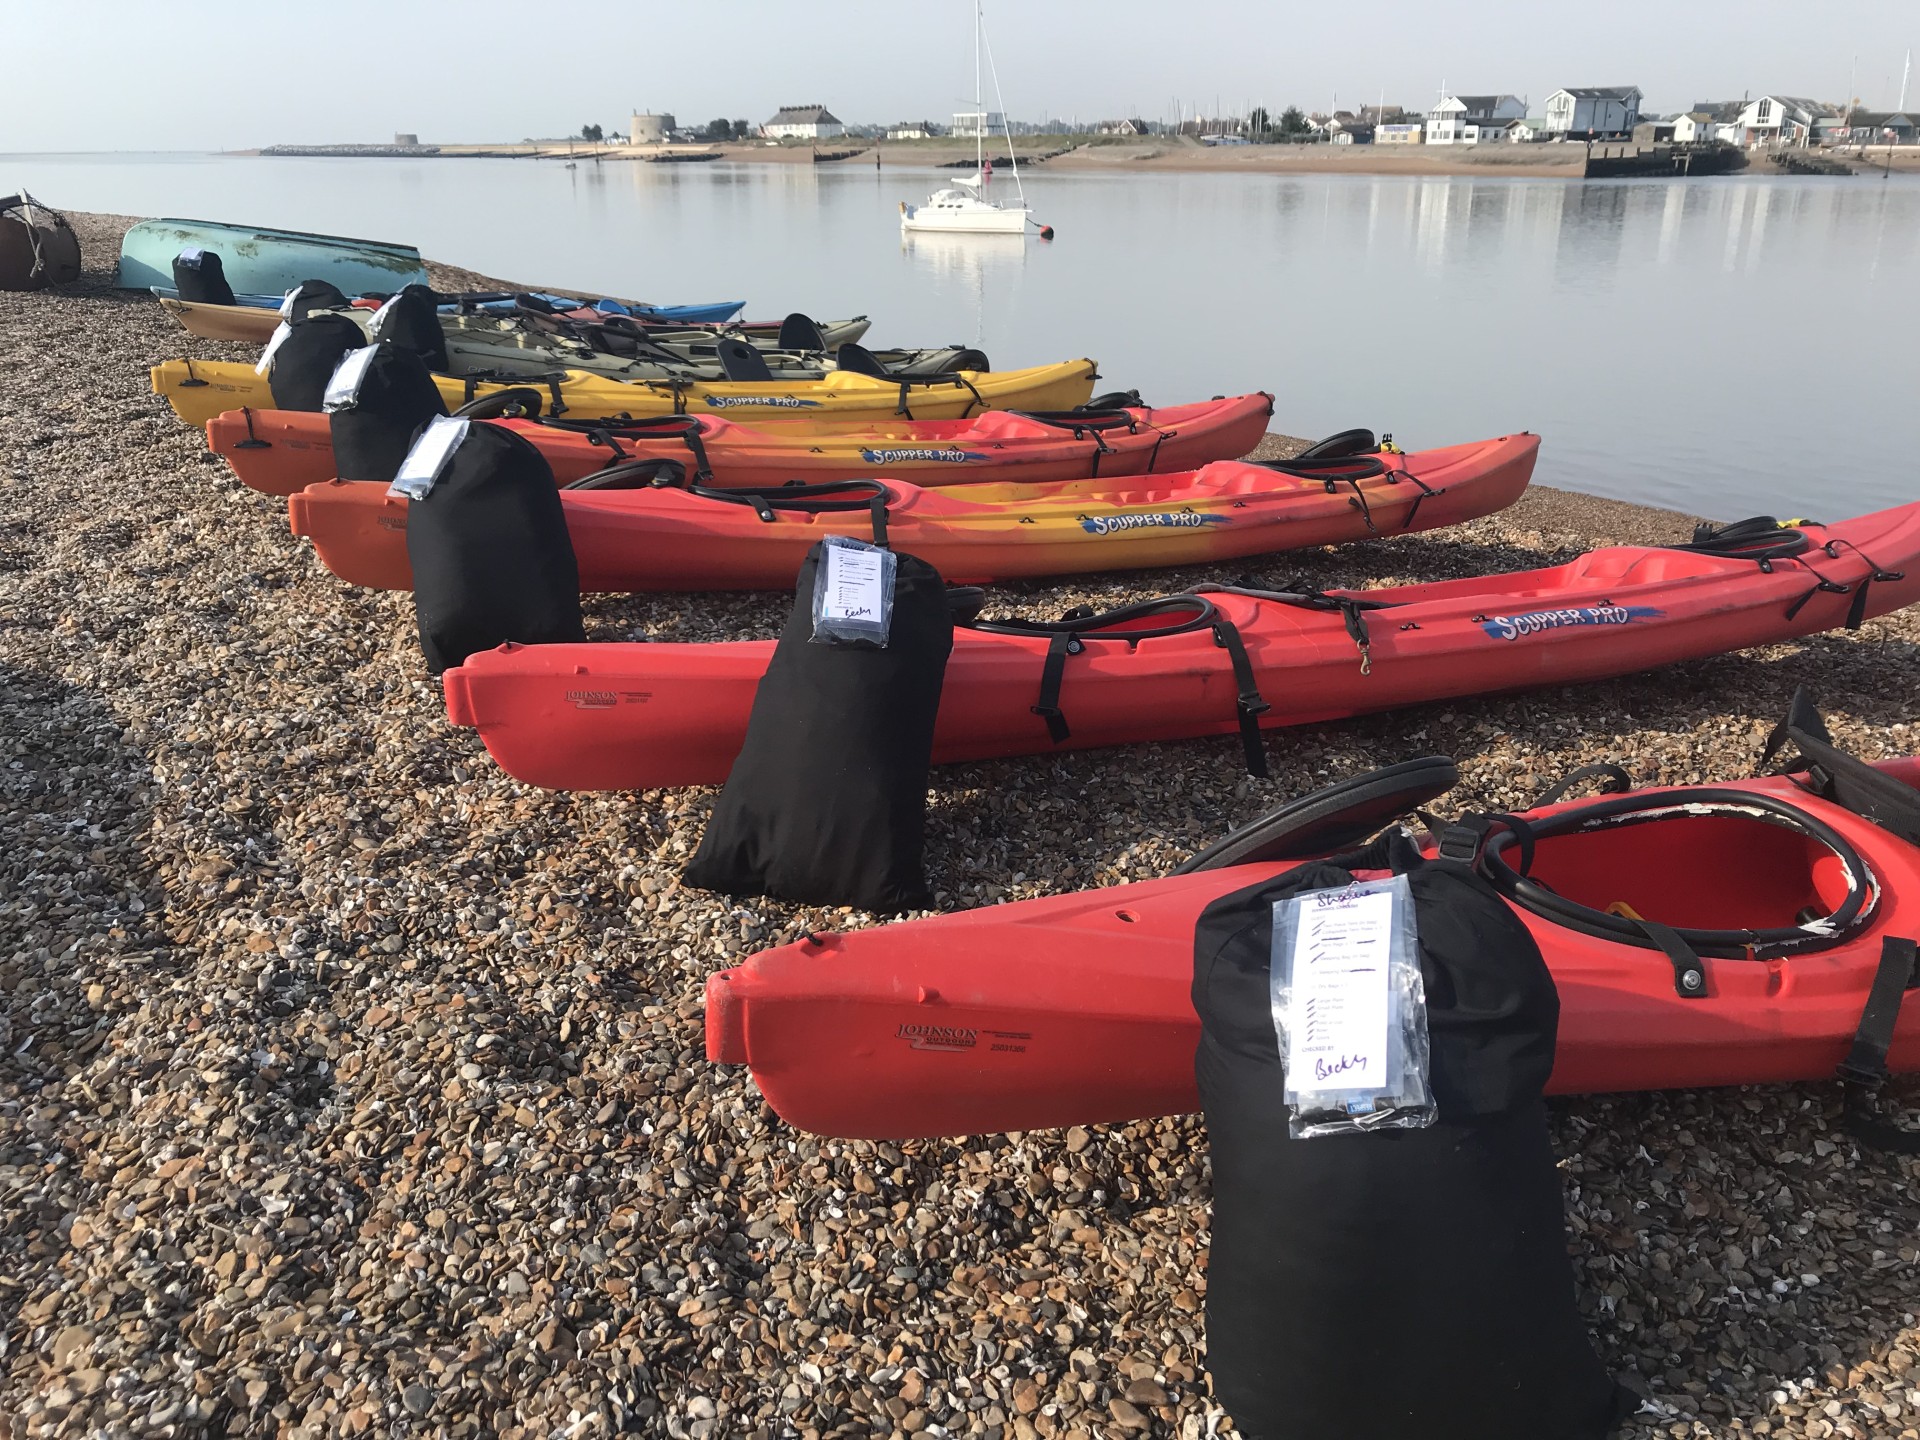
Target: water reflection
984,270
1616,318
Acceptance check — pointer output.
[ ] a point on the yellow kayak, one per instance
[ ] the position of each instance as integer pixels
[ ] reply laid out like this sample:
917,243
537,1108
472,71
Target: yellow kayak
198,390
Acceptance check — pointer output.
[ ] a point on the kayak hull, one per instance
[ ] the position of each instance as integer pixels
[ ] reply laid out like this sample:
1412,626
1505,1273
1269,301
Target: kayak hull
948,1026
668,539
253,319
267,261
282,452
200,390
638,716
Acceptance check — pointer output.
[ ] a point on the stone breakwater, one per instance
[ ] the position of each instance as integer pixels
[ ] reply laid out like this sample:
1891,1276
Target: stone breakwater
349,1088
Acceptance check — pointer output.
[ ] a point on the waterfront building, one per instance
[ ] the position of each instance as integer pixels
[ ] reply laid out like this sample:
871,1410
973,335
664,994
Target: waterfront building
1780,120
1469,119
976,123
803,122
655,129
1594,112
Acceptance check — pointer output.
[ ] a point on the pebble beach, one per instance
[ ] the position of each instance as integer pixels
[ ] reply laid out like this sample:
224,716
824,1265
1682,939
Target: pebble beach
349,1087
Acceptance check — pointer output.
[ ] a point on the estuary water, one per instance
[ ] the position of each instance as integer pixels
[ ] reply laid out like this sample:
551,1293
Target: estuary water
1725,346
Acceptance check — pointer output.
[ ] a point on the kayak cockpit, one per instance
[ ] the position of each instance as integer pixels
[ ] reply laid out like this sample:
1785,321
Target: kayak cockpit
1695,868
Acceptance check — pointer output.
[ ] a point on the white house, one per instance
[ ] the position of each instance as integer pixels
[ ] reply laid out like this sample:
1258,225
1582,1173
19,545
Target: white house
913,130
1779,120
1594,111
1469,119
1708,120
1530,129
970,123
803,122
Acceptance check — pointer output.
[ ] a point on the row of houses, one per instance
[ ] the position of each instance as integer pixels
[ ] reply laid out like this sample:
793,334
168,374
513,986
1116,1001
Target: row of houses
1612,112
1792,120
1581,112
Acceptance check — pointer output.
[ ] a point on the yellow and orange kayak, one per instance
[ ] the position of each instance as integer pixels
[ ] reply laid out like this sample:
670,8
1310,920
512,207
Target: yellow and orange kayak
199,390
281,452
653,538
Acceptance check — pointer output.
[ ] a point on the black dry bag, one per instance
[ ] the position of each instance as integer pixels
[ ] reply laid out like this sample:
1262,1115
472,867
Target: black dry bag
305,360
376,423
411,320
827,802
200,277
491,557
1394,1283
311,295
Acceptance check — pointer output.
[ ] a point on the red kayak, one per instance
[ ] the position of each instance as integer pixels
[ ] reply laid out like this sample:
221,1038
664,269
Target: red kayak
281,452
650,537
638,716
1076,1009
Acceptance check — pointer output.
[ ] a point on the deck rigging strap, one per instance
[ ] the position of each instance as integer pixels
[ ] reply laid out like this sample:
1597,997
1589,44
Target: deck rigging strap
1763,540
1834,775
1352,608
1864,1070
825,497
609,432
1070,634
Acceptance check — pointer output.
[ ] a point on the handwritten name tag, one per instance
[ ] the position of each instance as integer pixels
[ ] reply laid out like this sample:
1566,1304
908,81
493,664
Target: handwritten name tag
854,583
1339,1003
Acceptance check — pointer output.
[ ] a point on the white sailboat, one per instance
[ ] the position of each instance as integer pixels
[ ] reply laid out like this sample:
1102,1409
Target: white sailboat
961,207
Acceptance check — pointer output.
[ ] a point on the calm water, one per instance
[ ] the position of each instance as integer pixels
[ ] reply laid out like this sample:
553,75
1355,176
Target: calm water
1726,346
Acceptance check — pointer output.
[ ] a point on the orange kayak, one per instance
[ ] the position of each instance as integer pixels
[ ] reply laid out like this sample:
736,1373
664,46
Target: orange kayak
679,539
640,716
948,1026
281,452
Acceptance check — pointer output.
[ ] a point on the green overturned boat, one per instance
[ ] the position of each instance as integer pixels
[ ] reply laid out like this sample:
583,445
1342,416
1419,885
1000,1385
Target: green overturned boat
262,261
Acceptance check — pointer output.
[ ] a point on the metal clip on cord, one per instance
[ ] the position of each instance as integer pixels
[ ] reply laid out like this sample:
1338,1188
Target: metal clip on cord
1353,610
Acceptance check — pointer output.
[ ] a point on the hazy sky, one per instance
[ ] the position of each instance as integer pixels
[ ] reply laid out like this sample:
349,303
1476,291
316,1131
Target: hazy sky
209,74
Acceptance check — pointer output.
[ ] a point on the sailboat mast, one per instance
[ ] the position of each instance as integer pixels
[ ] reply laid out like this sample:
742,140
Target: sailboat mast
979,108
1013,159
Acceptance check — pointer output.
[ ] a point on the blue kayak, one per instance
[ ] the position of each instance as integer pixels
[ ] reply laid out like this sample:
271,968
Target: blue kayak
265,262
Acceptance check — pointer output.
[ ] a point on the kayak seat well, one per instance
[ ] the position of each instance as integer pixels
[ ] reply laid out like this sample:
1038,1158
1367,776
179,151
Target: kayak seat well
1711,872
1640,565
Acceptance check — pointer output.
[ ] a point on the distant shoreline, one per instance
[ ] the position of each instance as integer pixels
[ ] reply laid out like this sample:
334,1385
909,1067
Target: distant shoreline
1091,154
